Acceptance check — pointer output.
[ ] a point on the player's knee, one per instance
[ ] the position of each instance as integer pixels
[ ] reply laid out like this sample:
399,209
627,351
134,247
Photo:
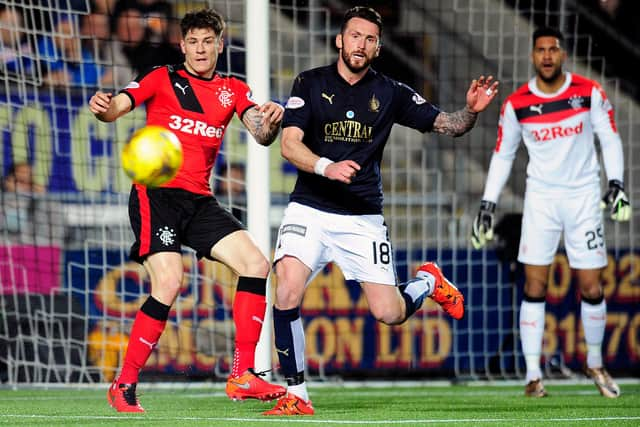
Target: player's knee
535,288
591,292
168,285
287,301
255,265
389,315
288,294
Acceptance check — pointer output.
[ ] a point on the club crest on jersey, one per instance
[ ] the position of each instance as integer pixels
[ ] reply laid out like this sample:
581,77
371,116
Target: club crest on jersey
225,96
374,104
576,102
294,103
250,96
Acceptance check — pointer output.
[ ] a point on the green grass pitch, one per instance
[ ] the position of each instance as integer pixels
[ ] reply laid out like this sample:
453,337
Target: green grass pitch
455,405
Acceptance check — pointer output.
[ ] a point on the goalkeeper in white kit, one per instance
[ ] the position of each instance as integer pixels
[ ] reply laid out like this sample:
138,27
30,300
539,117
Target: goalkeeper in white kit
556,114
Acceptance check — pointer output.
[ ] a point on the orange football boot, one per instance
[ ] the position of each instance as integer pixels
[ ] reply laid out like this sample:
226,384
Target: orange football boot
290,404
249,385
123,397
445,293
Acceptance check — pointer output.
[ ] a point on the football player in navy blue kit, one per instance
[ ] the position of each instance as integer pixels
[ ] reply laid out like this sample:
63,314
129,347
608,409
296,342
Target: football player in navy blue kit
197,104
336,124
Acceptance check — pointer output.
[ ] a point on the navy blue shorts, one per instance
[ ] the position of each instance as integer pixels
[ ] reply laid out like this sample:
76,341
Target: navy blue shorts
164,219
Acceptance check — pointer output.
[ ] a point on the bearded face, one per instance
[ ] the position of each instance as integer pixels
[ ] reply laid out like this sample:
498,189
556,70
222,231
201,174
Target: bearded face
548,58
359,44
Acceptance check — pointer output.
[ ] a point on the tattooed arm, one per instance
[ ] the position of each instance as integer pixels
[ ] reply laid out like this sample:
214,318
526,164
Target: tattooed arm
264,122
455,124
480,94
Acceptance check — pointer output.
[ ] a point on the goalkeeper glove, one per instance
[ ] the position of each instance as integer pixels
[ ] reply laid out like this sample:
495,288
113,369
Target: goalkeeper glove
482,230
618,201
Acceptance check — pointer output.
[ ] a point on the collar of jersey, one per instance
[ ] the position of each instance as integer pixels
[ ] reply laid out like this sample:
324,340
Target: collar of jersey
195,76
371,73
533,87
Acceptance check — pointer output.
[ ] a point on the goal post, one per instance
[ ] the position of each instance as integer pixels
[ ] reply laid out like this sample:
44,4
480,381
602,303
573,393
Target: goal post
258,204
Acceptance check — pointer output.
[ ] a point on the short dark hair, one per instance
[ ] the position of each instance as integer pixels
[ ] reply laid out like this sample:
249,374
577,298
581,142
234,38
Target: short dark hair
548,32
363,12
203,18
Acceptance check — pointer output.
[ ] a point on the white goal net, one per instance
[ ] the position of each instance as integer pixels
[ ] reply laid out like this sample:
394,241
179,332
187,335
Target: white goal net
68,292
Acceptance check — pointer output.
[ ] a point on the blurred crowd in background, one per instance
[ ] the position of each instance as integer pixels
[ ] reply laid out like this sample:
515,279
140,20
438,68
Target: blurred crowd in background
107,42
69,46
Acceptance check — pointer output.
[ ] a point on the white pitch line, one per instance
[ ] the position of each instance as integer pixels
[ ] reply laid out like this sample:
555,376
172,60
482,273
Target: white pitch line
319,421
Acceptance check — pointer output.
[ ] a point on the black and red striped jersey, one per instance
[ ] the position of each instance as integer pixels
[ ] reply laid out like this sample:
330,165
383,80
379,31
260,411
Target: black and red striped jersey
197,110
558,132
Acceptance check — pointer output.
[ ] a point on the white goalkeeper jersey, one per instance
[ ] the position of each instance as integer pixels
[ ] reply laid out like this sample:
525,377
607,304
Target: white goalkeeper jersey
558,132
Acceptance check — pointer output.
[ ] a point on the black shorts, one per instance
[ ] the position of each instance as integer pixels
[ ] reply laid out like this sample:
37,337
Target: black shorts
163,219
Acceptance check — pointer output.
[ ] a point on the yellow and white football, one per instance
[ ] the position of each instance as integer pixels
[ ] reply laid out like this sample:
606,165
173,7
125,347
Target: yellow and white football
152,156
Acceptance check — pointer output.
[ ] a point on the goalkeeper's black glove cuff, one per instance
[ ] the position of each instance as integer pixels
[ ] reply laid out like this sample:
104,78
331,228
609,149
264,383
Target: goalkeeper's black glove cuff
617,184
487,206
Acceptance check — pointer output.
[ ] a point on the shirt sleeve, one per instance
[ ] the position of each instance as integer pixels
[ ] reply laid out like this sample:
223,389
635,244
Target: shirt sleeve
244,99
145,85
604,125
297,111
507,143
412,109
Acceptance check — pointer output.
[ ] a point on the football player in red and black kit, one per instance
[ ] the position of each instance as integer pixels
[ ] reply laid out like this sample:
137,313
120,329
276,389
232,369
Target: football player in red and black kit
197,104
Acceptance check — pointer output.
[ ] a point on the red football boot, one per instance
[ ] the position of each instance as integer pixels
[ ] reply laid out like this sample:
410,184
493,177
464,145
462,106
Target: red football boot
123,398
249,385
290,404
445,293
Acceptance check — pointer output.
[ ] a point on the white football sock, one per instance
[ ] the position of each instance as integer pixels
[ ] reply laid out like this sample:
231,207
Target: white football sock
299,390
424,284
594,320
531,333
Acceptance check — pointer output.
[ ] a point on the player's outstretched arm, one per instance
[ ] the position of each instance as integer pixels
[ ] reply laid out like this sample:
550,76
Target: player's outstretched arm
296,152
107,107
263,122
480,94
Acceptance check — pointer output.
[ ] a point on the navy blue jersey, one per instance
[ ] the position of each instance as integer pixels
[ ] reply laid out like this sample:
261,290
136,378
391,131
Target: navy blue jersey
345,122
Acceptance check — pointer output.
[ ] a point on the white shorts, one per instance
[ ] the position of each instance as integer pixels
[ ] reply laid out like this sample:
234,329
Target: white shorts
578,216
358,244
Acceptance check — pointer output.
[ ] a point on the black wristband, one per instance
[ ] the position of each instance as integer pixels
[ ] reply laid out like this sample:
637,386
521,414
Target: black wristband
614,183
486,205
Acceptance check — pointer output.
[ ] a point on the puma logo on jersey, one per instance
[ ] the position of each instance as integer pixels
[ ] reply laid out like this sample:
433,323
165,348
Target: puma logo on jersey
328,98
182,88
536,108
